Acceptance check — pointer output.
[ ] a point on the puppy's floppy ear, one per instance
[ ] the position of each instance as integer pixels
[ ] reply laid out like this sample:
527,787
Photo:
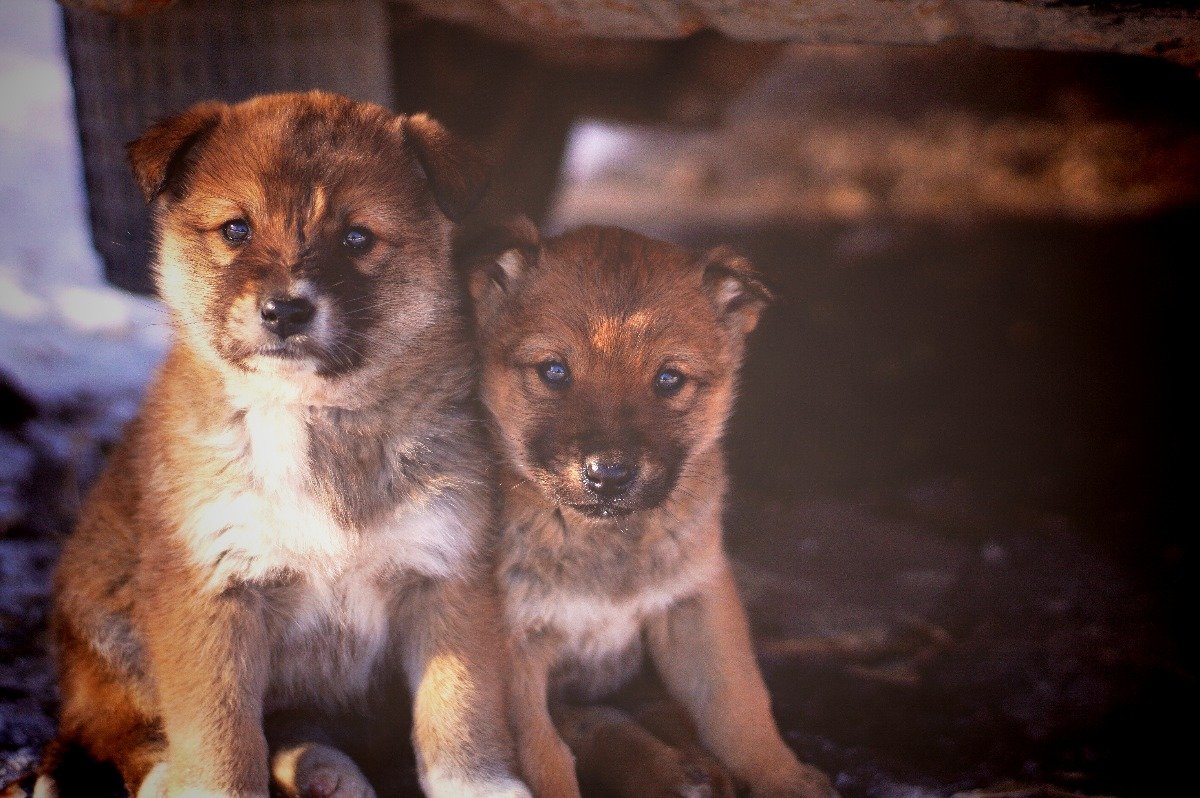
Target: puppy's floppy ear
496,260
457,173
737,289
160,156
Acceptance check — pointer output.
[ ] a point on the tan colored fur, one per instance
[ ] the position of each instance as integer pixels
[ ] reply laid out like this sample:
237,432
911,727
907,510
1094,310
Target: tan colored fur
271,532
589,582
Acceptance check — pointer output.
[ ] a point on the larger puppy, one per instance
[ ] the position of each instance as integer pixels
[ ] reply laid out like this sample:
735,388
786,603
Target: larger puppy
610,363
300,507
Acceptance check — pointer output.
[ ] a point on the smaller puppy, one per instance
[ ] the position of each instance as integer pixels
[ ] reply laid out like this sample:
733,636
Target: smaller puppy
610,363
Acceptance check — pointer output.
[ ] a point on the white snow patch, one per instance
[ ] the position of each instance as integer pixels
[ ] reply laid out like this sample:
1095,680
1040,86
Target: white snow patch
98,342
18,304
593,147
64,333
90,310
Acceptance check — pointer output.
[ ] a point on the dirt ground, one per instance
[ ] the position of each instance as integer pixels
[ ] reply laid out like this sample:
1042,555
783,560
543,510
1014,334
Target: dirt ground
956,514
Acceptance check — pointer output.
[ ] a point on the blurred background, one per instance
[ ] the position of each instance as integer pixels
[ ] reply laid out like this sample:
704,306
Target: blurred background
957,512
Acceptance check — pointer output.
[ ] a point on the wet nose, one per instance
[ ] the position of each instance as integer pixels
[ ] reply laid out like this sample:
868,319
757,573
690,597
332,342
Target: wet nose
607,477
286,316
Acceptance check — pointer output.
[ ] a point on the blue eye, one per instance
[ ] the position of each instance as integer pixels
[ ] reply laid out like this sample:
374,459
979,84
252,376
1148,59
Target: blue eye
554,373
668,382
236,231
357,238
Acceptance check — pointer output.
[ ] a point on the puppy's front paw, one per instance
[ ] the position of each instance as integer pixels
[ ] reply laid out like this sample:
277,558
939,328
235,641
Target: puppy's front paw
438,784
45,787
158,784
312,770
804,781
510,789
155,783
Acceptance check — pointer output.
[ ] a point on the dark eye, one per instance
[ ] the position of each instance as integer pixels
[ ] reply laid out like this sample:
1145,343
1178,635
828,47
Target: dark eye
554,373
668,382
357,238
236,231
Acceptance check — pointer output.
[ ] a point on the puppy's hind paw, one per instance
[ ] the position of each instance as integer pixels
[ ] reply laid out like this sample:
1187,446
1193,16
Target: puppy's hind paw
668,773
312,770
707,778
806,782
694,783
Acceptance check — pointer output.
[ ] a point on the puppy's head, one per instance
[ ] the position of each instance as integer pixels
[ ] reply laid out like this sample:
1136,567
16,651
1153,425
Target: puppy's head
304,233
610,359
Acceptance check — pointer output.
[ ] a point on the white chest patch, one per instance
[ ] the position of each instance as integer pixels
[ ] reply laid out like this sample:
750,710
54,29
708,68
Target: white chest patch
596,627
261,521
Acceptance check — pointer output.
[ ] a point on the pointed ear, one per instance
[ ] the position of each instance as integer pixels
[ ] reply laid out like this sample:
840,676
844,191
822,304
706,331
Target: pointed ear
739,292
497,260
160,157
457,174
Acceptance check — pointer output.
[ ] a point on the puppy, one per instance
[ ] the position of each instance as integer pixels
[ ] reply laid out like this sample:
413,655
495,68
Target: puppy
300,511
609,370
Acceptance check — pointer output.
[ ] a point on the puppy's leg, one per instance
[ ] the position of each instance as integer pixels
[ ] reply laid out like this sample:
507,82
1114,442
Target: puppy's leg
618,757
456,665
703,652
305,763
209,663
547,764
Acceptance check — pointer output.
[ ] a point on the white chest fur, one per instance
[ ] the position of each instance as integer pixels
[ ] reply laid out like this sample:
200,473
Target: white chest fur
259,520
258,517
261,516
596,627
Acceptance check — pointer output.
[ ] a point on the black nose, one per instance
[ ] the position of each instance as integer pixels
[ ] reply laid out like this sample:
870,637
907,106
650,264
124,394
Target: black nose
287,316
607,477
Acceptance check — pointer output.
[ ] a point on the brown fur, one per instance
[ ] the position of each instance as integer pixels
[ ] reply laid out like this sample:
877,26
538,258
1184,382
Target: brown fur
287,530
587,579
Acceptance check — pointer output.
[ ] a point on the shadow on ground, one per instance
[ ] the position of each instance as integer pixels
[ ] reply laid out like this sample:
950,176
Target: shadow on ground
954,503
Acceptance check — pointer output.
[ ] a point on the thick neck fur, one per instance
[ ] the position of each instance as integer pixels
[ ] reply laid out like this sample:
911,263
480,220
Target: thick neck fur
359,445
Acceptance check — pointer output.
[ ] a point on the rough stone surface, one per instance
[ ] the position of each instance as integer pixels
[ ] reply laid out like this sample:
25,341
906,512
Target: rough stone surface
1170,30
1166,29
